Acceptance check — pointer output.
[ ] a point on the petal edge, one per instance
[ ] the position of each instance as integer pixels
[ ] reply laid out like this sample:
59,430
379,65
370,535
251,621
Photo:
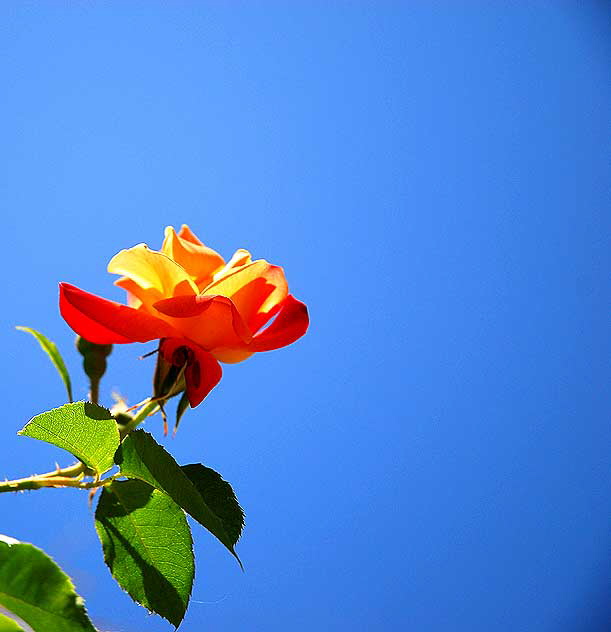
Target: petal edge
291,322
107,322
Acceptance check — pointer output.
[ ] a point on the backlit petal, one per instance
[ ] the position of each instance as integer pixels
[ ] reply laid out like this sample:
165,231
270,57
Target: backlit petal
201,377
188,235
290,324
107,322
152,270
239,259
256,289
134,292
232,356
199,261
210,321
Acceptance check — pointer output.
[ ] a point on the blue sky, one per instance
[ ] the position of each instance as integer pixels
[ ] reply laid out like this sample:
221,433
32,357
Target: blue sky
434,178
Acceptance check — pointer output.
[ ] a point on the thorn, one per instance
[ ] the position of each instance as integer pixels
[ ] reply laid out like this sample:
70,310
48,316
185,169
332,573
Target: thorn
150,353
91,496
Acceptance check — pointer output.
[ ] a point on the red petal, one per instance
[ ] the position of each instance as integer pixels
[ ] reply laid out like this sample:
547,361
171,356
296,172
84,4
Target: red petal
201,376
257,289
107,322
290,324
219,326
203,372
184,306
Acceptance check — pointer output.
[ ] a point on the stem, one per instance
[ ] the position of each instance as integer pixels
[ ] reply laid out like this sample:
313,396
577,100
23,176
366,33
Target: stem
21,484
72,475
47,480
144,412
71,471
150,406
94,391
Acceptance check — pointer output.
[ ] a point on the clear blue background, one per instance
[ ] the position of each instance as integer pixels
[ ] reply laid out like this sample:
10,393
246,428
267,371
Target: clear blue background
435,179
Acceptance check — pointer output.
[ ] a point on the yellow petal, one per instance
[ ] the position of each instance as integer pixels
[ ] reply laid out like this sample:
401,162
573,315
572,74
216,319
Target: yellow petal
187,250
153,272
256,290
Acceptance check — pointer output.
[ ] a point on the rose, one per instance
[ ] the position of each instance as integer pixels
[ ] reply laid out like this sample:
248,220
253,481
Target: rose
202,309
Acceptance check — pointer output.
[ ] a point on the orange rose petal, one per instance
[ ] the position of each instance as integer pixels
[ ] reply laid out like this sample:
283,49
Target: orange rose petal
290,324
136,296
256,290
211,321
232,356
199,261
152,270
187,234
131,289
107,322
239,258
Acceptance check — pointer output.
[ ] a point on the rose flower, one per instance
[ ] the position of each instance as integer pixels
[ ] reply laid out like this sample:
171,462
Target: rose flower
203,310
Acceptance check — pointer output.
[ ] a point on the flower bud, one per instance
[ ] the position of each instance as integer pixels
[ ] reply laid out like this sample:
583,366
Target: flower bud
94,358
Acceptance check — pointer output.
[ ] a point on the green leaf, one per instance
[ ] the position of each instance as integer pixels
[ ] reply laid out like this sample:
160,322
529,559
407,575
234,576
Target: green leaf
9,625
51,350
219,496
86,430
147,546
34,588
140,456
